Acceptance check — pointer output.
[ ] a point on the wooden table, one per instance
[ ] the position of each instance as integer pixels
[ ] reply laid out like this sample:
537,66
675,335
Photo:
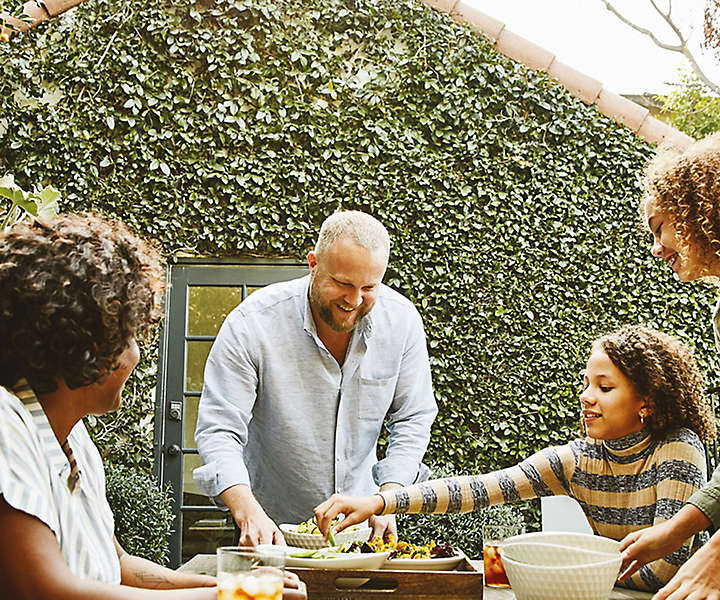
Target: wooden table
206,565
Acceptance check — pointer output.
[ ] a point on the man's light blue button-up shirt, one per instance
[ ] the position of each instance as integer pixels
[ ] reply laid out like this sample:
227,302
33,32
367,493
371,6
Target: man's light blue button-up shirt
280,414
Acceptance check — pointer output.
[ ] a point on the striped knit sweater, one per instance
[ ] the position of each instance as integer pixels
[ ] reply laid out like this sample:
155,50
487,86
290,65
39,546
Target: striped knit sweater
622,485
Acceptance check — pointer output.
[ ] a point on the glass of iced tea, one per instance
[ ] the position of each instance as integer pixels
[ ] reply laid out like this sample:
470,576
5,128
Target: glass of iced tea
493,538
245,573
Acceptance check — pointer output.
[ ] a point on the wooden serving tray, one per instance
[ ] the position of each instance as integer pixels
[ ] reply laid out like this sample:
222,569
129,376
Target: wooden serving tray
463,583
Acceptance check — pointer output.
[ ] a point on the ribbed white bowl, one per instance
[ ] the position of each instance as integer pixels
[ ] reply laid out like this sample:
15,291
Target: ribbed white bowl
585,541
316,540
540,553
561,566
591,581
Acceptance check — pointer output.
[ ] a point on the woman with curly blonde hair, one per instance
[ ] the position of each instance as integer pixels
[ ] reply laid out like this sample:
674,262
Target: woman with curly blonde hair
681,207
645,416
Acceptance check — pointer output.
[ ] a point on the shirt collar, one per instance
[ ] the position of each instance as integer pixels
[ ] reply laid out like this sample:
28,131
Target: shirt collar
57,459
627,445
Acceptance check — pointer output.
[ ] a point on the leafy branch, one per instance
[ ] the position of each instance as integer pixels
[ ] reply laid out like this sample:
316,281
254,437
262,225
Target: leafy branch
39,203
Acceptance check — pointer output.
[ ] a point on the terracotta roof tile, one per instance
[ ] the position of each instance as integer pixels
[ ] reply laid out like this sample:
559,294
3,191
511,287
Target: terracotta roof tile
14,21
583,86
654,130
621,109
479,21
443,5
518,48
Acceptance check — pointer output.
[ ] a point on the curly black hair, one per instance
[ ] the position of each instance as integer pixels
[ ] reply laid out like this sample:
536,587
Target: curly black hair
663,370
74,291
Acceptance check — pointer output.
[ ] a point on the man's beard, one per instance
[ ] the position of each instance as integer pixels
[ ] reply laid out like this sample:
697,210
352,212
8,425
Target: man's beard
324,311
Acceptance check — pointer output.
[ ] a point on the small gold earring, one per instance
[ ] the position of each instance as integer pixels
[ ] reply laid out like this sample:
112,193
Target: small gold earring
642,418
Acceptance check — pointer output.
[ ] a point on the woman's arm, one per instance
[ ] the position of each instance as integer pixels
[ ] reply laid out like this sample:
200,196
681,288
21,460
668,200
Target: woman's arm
142,573
33,567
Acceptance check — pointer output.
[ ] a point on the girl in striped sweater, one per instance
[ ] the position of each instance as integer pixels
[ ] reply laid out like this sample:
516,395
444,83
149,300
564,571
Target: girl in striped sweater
645,417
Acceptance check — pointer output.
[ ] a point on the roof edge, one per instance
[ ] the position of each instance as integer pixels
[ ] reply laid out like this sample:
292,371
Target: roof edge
582,86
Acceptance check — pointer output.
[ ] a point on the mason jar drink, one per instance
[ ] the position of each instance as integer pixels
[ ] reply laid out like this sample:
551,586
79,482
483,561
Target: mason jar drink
245,573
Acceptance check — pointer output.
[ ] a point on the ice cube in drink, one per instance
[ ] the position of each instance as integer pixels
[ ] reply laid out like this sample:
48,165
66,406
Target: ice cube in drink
251,586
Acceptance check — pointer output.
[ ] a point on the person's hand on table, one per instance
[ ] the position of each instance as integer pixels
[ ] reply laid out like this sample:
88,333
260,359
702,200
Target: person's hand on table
382,527
355,508
294,589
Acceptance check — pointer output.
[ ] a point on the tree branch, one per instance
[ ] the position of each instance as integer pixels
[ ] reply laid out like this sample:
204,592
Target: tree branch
681,48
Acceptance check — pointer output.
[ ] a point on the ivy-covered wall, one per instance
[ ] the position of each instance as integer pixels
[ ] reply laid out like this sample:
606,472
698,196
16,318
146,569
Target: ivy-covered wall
231,128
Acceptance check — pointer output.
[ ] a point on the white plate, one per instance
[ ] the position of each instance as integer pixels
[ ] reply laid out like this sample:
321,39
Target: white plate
424,564
343,560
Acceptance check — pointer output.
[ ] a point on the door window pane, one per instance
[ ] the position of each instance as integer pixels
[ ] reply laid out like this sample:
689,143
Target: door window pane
208,306
203,531
191,495
197,353
190,421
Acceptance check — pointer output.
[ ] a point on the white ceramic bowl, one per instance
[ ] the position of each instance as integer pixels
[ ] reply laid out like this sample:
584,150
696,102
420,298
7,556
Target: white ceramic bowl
561,566
585,541
316,540
591,581
540,553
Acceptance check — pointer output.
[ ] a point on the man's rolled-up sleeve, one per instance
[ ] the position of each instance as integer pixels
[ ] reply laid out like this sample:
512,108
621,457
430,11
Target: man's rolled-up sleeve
226,404
707,499
411,415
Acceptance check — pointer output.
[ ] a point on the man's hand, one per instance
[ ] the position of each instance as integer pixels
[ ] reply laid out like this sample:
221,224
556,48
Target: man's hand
355,508
383,527
255,526
646,545
698,578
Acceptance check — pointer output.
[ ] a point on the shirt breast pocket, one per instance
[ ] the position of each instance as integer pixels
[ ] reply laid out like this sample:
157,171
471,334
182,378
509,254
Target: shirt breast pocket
376,395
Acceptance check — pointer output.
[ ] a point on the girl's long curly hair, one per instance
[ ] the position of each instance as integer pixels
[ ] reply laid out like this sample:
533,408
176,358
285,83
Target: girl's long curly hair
73,292
663,370
685,186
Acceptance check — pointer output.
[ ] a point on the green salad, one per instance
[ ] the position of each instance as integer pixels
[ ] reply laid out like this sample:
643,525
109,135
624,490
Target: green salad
310,526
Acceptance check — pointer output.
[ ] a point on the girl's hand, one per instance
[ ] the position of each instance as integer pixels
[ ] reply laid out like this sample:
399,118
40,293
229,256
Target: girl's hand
355,508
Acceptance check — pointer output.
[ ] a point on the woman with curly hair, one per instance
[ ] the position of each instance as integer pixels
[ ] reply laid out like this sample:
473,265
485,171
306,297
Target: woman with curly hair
75,293
681,207
645,416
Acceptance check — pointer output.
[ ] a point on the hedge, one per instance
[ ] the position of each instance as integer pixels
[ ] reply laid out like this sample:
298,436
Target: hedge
142,512
229,128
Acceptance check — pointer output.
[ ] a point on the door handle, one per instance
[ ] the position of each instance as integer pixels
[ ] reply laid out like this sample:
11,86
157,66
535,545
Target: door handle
173,450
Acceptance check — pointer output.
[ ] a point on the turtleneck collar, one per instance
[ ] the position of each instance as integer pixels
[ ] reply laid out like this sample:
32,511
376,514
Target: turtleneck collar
632,443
